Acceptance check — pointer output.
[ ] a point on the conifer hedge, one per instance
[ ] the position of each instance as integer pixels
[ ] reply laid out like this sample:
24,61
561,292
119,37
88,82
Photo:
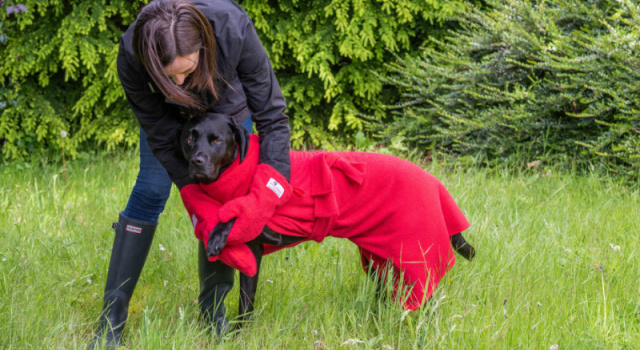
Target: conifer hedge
58,73
327,54
57,66
555,81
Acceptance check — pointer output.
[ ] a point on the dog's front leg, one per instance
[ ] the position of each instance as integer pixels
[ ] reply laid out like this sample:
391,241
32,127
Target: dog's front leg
249,285
218,237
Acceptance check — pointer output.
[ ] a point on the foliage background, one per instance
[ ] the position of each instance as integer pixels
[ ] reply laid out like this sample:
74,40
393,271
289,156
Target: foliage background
553,81
328,54
57,66
506,82
57,69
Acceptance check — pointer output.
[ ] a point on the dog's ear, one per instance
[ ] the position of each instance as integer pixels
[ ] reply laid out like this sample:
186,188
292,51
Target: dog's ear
242,137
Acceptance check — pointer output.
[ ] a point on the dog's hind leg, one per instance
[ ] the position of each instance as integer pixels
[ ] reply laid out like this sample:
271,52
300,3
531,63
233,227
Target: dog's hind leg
249,285
375,277
461,246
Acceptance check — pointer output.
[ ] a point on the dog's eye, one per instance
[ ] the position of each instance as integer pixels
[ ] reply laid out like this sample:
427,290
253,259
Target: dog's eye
189,140
218,142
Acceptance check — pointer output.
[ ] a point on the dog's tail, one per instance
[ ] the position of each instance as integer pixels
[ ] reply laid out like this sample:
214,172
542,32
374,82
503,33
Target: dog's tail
461,246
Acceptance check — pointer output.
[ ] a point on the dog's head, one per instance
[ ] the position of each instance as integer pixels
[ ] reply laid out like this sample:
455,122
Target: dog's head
210,143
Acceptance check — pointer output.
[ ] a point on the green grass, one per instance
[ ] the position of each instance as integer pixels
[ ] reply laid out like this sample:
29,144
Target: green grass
534,283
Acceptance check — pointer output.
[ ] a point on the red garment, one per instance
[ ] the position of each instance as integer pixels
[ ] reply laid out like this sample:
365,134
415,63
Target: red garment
392,209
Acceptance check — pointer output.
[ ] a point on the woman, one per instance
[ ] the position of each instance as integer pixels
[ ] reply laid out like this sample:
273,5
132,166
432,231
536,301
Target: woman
177,60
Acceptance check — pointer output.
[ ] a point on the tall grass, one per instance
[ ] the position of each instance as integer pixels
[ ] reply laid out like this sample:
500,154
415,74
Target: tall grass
548,271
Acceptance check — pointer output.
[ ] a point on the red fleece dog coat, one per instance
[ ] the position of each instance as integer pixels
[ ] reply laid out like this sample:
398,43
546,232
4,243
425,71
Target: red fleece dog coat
393,210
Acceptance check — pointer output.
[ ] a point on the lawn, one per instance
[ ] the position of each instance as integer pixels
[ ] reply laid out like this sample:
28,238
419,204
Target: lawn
557,264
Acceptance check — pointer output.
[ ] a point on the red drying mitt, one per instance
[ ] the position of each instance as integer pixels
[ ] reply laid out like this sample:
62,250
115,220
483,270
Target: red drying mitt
239,257
269,189
202,209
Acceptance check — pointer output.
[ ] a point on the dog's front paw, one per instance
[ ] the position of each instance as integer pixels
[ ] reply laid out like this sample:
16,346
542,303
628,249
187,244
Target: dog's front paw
218,238
214,249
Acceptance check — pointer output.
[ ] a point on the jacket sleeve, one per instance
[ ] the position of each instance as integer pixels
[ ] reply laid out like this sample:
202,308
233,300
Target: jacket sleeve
266,102
158,118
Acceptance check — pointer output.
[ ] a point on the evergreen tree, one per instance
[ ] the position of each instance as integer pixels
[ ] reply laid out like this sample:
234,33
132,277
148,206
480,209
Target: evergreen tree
57,66
554,80
58,72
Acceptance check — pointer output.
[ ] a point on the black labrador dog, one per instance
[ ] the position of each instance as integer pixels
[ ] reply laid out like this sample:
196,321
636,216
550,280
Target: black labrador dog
200,141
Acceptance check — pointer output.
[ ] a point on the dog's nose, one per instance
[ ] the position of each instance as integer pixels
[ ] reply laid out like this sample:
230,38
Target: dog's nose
197,160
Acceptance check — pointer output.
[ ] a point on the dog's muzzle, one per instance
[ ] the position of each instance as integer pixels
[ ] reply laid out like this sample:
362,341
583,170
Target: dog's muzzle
202,170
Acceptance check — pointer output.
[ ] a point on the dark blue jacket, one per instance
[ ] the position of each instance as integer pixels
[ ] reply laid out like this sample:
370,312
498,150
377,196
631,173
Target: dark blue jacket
252,90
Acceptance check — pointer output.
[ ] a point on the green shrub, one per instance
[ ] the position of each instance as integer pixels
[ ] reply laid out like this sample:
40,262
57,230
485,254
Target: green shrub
552,80
57,72
326,54
57,66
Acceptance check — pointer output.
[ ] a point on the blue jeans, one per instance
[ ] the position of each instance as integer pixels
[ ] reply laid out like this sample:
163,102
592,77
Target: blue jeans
153,186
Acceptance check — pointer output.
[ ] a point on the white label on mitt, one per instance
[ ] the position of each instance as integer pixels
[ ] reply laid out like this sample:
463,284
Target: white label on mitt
194,220
276,187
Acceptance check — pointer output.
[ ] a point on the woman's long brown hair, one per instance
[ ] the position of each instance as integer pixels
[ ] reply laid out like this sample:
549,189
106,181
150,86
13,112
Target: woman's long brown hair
166,29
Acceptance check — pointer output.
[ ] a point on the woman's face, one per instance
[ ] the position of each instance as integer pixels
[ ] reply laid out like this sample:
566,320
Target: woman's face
181,67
